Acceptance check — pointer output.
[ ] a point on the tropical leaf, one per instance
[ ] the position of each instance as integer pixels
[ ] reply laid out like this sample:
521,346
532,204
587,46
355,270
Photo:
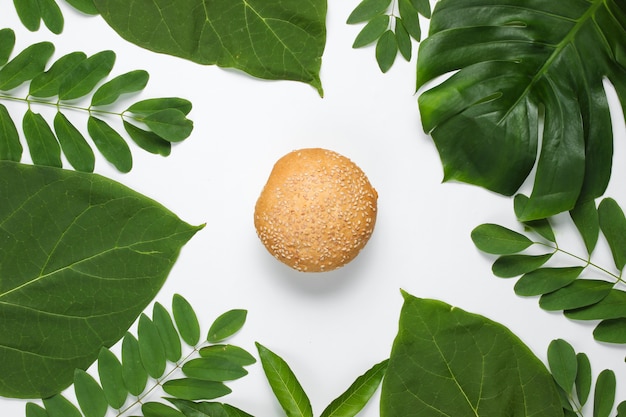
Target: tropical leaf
272,40
514,57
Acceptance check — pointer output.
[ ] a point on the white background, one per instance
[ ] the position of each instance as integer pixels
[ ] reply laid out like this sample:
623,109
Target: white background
329,327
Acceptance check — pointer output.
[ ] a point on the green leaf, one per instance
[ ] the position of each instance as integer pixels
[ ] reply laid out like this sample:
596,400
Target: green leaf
213,369
226,325
154,105
154,409
195,389
372,31
232,353
85,6
51,15
151,348
169,124
10,147
267,40
34,410
563,364
474,367
405,46
611,331
621,409
422,6
410,18
112,146
42,144
613,306
585,217
47,84
541,226
147,140
507,65
583,378
7,42
368,10
74,145
110,91
546,280
580,293
29,13
186,320
167,332
111,378
499,240
284,384
83,296
604,394
207,409
86,75
89,395
508,266
613,226
386,50
59,406
134,374
352,401
26,65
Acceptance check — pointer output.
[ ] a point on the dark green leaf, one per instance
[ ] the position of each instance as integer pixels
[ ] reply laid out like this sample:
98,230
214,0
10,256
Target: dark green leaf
154,409
213,369
541,226
373,30
134,374
583,378
232,353
112,146
151,348
226,325
85,76
585,217
29,13
47,84
147,140
154,105
352,401
83,296
74,145
265,39
59,406
580,293
386,50
499,240
613,306
25,66
186,320
473,366
85,6
42,144
284,384
613,226
195,389
604,394
367,10
167,332
546,280
611,331
111,378
207,409
508,266
410,19
405,45
89,395
10,146
7,42
621,409
170,124
51,15
563,364
110,91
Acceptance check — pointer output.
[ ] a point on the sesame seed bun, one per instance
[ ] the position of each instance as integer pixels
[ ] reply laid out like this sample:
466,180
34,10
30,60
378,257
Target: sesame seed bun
317,210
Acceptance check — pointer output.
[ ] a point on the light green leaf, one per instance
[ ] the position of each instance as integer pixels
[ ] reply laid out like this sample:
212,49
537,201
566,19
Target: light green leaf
47,84
386,50
112,146
226,325
410,18
583,378
89,395
213,369
368,10
29,13
284,384
59,406
580,293
613,306
151,348
7,42
195,389
134,374
604,394
85,6
51,15
186,320
272,40
42,144
110,91
546,280
169,124
83,296
167,332
508,266
563,364
154,105
405,46
373,30
26,65
613,226
34,410
10,147
147,140
86,75
474,367
74,145
230,352
499,240
611,331
585,217
352,401
154,409
111,378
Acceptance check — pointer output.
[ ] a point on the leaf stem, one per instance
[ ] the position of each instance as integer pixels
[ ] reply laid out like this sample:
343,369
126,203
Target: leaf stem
59,105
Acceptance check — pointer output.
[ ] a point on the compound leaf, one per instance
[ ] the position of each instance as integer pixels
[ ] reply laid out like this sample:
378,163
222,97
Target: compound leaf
613,306
86,75
170,124
580,293
47,84
167,332
153,105
148,141
26,65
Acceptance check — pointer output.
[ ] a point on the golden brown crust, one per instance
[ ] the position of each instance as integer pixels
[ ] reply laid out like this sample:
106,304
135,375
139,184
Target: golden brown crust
317,210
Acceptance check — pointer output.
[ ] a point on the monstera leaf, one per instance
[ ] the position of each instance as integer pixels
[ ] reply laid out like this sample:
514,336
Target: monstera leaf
529,81
81,256
267,39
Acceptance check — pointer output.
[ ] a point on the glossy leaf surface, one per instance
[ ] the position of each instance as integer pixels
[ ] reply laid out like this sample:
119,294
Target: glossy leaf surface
272,40
76,298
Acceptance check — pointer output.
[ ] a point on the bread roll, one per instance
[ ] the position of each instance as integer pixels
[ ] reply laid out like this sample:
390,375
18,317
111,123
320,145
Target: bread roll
316,211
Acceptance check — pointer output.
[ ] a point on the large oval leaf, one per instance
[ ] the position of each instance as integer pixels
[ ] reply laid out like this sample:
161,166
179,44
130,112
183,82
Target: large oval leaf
515,57
445,361
267,39
81,257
